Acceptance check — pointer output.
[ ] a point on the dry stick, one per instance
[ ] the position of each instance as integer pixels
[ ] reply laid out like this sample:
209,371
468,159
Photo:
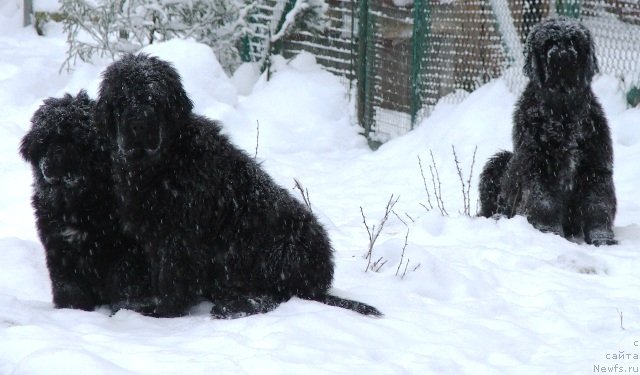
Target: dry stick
305,194
377,265
405,269
406,238
257,138
473,163
373,233
424,181
410,218
620,313
464,195
438,189
466,187
364,220
399,218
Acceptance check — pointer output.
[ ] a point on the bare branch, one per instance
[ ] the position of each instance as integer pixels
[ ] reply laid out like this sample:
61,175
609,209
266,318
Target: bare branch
466,186
473,163
364,220
305,194
377,265
375,232
406,240
620,314
464,195
410,218
405,269
399,218
257,138
437,189
426,188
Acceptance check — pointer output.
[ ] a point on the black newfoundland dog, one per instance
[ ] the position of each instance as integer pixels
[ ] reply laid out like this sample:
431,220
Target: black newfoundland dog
560,173
213,224
90,262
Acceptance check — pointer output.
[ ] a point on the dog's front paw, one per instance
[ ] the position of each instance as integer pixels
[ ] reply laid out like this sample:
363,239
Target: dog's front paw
241,306
600,237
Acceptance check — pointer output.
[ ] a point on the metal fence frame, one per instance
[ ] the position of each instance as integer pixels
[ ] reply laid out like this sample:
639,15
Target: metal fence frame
364,52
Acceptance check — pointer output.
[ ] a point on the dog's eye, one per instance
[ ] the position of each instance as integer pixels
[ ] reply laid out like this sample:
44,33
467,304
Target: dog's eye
548,45
57,155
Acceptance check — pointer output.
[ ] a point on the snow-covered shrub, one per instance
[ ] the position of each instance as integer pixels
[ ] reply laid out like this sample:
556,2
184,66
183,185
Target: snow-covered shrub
301,14
108,28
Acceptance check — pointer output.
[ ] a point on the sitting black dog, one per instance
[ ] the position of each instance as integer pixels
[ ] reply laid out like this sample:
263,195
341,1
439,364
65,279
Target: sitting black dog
90,261
560,174
213,224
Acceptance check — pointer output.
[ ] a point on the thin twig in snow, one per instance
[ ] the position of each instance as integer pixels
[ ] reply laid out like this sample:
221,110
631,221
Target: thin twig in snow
406,240
466,186
405,269
437,189
426,188
375,232
257,138
305,194
399,218
620,313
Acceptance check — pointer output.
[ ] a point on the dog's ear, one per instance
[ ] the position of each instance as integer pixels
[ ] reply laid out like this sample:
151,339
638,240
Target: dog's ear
179,103
591,68
103,112
533,66
31,146
183,104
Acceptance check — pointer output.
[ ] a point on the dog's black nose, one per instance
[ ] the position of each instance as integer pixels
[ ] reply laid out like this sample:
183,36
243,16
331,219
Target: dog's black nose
137,127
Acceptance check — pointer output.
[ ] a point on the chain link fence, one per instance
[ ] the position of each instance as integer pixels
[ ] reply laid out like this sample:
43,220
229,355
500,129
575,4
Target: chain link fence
400,57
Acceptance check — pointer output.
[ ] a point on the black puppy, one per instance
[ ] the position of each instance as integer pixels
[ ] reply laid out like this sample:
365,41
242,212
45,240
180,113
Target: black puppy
214,225
90,262
560,174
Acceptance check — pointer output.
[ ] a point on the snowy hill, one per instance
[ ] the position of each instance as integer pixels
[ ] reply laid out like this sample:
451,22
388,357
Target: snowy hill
477,297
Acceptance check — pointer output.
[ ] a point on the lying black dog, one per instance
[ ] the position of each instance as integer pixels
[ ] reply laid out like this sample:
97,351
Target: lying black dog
214,225
90,262
560,174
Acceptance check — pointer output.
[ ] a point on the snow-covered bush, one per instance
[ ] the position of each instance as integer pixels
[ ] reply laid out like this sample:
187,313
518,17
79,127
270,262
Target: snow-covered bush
301,14
108,28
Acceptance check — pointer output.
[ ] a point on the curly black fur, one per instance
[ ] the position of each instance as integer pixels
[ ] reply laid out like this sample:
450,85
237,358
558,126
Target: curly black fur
560,175
90,262
489,185
213,224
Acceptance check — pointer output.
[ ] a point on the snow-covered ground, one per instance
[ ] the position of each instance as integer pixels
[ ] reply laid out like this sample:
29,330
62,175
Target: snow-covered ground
478,296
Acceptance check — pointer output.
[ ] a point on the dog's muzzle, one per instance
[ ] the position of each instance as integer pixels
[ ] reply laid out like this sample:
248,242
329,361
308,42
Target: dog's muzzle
137,140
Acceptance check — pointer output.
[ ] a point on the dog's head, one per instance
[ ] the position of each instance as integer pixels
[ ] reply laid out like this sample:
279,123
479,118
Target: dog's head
141,104
559,52
62,141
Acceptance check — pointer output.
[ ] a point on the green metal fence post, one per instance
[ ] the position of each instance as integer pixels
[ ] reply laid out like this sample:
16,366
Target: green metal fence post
569,8
27,12
419,49
363,95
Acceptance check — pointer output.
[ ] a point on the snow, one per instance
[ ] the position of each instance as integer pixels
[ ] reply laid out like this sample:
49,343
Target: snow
46,5
202,75
479,296
403,3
